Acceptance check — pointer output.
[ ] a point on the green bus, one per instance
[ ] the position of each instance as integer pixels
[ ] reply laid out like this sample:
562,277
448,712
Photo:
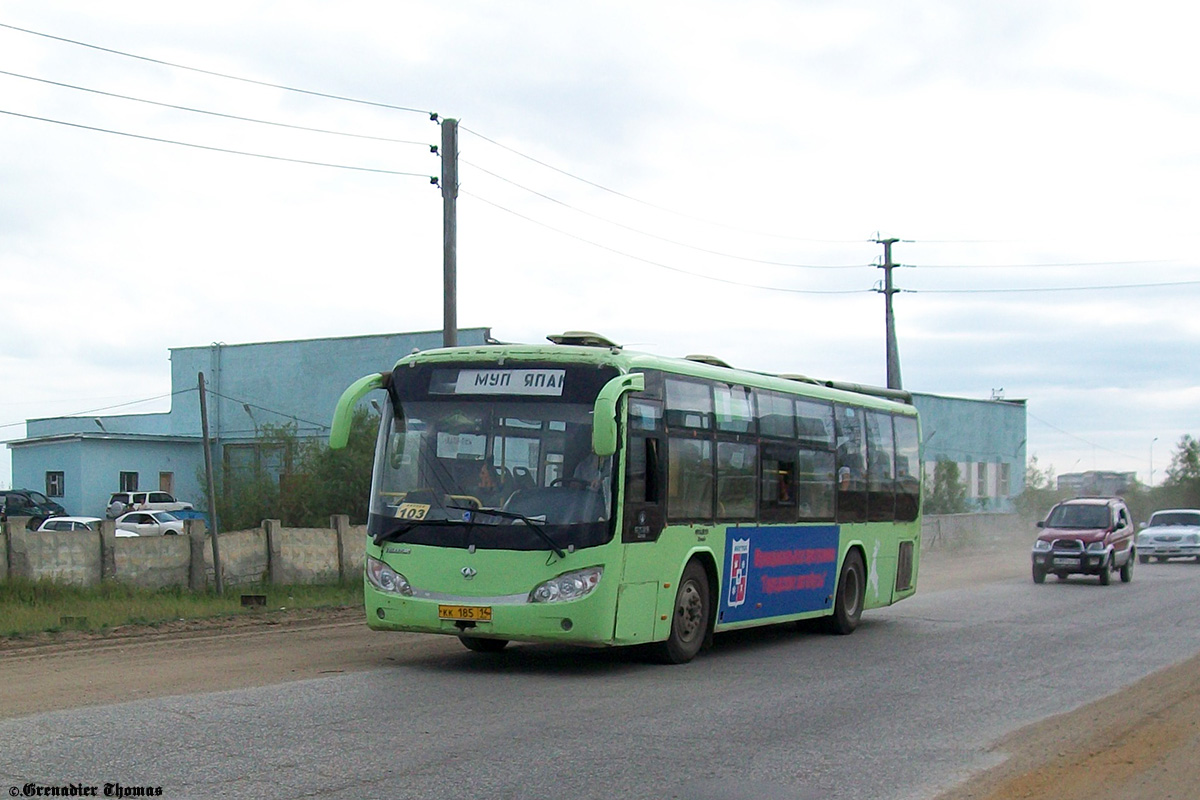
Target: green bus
580,493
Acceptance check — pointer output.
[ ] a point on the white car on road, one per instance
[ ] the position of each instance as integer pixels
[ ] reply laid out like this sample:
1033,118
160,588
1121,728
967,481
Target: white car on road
1170,533
150,523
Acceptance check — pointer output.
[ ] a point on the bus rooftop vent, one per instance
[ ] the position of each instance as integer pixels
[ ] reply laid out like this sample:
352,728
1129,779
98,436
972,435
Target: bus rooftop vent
712,361
583,339
791,376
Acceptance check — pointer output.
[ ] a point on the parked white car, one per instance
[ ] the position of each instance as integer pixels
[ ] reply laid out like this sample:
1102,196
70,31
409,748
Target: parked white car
150,523
77,524
1170,533
120,502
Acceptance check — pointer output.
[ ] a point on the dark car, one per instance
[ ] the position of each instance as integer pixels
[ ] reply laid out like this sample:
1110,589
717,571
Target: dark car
28,503
1088,536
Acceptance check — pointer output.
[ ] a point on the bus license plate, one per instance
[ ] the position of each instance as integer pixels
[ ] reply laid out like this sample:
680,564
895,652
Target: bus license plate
471,613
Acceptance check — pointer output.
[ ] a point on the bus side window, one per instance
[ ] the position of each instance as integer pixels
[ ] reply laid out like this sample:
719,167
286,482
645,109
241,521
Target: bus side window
690,479
817,485
737,474
851,465
881,476
908,468
779,488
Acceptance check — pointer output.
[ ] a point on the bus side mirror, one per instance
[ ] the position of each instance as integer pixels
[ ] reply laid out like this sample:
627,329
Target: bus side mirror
604,414
339,434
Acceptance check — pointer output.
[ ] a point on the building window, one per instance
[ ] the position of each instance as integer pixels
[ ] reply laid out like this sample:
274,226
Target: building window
981,479
129,482
1005,486
54,484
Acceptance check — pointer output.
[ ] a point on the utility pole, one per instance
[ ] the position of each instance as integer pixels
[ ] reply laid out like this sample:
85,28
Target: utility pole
893,352
449,183
212,494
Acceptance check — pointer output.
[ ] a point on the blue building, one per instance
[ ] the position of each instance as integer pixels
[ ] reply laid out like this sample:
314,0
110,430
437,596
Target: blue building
985,438
80,461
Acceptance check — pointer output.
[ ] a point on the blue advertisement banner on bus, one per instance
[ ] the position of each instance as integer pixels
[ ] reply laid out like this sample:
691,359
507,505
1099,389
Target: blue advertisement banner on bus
775,571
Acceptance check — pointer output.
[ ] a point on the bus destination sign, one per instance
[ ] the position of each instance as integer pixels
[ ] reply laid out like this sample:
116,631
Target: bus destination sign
527,382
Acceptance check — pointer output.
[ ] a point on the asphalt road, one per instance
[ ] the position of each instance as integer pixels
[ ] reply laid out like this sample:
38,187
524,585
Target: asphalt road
903,708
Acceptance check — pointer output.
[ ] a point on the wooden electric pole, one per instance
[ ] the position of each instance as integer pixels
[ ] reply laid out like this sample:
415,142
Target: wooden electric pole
893,352
449,183
212,492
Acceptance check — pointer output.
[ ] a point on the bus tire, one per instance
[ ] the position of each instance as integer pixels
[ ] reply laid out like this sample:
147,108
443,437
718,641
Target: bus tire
690,618
479,645
848,599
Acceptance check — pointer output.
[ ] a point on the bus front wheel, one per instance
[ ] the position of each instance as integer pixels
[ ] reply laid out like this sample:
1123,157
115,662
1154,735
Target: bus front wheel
848,600
689,622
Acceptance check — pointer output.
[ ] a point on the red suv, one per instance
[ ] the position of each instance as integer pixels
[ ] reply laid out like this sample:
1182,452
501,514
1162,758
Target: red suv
1086,535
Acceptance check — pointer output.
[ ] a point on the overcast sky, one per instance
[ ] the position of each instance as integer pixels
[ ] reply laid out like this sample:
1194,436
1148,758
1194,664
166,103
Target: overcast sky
683,177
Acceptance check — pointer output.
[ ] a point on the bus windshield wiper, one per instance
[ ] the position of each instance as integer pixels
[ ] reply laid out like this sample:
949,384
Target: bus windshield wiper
398,532
529,521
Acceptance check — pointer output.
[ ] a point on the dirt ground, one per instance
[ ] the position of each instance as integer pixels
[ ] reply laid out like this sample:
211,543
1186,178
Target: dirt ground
1144,753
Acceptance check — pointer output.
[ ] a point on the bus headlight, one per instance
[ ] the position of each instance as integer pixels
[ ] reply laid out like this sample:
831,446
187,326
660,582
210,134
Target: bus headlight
386,579
568,586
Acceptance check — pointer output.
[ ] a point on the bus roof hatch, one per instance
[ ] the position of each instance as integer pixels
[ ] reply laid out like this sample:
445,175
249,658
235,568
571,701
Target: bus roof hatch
583,339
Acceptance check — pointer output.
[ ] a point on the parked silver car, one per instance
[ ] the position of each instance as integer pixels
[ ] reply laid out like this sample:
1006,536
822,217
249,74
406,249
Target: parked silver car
1170,533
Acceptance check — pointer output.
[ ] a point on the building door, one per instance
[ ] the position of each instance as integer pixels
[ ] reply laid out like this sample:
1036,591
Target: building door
166,482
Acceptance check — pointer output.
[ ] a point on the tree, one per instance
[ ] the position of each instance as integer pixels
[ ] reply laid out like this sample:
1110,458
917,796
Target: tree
302,483
1185,462
1181,489
335,481
948,495
1040,492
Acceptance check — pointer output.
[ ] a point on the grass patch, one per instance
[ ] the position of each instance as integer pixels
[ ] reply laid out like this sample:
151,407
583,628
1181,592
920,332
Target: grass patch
28,607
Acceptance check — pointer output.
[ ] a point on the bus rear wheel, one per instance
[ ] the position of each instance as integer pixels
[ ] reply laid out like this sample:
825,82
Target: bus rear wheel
848,600
478,645
689,622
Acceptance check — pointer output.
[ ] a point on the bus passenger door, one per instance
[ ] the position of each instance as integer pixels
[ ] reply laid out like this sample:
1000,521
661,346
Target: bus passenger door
643,519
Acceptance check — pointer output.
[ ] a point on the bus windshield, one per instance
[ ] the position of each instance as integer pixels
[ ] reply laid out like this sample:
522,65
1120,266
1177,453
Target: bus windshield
446,457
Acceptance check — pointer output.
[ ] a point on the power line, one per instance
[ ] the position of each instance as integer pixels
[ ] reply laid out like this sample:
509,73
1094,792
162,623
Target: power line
212,113
1076,436
269,85
658,263
656,236
1026,266
431,178
648,204
176,393
106,408
320,425
1053,288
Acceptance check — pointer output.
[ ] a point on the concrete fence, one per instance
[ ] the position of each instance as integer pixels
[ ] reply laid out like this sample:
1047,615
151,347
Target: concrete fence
272,554
963,531
278,555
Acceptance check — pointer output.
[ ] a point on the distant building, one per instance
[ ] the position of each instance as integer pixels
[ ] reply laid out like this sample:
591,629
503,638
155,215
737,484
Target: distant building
1096,483
79,461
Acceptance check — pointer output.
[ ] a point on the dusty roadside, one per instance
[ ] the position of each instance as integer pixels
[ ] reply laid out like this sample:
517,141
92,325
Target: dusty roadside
1144,752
